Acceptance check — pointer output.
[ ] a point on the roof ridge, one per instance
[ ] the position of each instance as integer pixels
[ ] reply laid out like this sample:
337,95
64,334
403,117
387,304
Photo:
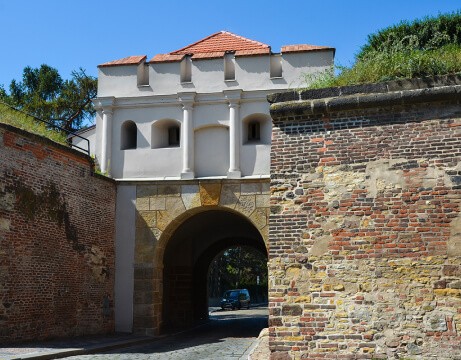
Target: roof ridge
195,43
244,38
222,32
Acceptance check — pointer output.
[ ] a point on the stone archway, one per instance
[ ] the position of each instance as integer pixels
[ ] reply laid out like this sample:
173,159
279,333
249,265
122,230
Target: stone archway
167,211
188,255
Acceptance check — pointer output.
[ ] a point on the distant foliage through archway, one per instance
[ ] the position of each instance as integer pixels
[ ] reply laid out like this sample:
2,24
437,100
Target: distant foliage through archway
236,268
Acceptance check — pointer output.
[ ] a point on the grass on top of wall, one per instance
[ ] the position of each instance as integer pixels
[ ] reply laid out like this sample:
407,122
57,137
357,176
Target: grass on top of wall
22,121
423,47
379,66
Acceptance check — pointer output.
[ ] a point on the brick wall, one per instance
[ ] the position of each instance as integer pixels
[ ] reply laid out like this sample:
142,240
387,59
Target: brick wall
365,225
56,241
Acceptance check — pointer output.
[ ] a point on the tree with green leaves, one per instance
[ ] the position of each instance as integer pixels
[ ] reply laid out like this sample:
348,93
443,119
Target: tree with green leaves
239,267
44,94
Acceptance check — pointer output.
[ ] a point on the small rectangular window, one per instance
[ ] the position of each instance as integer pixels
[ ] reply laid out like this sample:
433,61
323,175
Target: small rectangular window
173,136
276,66
229,66
254,132
186,69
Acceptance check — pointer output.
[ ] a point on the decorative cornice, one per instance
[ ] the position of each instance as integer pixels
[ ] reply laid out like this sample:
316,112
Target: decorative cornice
104,103
187,96
233,96
175,99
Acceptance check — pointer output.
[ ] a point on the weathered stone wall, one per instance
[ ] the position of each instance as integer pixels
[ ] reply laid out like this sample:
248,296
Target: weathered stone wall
365,225
56,241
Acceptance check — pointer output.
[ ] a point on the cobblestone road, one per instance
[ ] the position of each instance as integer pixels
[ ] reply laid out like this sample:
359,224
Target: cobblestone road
229,335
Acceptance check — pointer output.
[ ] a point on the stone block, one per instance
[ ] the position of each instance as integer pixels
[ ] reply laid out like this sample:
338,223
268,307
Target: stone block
275,321
292,310
190,196
454,243
5,224
452,270
250,188
157,203
145,191
435,322
265,187
173,208
303,299
319,93
262,201
320,246
146,219
210,193
246,204
280,355
343,103
7,201
259,218
145,243
142,203
230,194
455,285
169,190
283,96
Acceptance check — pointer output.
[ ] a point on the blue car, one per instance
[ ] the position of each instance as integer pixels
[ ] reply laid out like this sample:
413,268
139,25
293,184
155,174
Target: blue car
236,299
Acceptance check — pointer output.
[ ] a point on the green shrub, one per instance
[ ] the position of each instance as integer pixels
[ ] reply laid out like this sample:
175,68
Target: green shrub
423,34
427,47
383,66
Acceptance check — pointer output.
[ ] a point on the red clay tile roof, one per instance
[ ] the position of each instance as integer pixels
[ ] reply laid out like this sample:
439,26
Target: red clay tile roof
304,47
208,55
252,52
130,60
215,45
221,41
166,58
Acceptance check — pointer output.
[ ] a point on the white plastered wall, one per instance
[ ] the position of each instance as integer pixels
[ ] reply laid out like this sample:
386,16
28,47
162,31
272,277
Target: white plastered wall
251,73
144,162
124,260
211,151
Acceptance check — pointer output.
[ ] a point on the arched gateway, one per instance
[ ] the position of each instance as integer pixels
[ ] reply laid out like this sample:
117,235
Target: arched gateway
180,228
188,254
186,136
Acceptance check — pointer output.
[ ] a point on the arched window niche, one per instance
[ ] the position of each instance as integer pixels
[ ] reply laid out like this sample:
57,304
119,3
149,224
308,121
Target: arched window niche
256,129
166,133
128,135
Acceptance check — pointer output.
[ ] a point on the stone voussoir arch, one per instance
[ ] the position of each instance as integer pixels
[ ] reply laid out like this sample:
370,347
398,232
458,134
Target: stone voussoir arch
161,209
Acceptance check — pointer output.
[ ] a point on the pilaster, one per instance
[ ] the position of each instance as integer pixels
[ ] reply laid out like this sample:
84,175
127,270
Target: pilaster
187,101
233,97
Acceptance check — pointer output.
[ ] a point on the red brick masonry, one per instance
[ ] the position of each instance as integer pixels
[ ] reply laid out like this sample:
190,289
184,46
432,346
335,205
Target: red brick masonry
56,241
365,227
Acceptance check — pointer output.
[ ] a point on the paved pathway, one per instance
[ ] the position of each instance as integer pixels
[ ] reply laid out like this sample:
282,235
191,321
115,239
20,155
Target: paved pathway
229,335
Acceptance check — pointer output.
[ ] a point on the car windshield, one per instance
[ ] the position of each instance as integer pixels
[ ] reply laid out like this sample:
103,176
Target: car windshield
231,294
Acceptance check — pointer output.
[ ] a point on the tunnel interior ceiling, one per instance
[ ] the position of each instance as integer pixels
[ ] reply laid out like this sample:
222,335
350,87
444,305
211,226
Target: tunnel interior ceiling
207,229
188,255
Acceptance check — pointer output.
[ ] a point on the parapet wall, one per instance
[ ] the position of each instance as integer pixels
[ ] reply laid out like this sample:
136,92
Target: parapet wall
56,241
365,225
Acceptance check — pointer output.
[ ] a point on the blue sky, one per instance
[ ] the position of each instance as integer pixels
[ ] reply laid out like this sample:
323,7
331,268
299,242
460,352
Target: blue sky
68,34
